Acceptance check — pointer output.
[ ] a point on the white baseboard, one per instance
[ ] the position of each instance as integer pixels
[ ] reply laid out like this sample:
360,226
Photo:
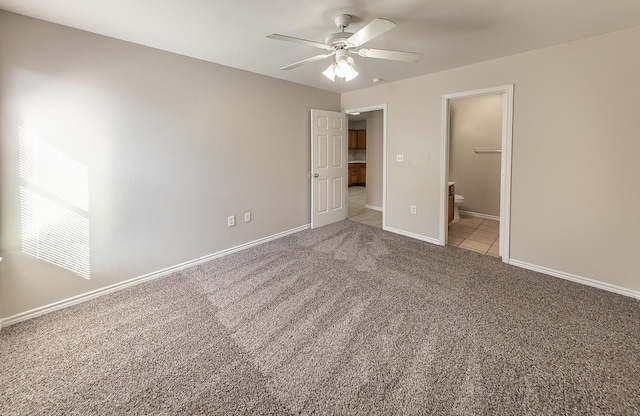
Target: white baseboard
578,279
412,235
23,316
479,215
373,207
555,273
33,313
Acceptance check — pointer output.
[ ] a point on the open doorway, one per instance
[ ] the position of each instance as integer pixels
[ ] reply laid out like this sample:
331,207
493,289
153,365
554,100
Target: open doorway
477,139
365,177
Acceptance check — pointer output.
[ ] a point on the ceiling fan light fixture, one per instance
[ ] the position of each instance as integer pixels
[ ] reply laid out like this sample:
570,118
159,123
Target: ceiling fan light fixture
352,73
345,68
330,72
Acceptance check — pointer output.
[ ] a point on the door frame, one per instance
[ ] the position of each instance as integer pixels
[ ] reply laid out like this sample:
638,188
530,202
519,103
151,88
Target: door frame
505,162
367,109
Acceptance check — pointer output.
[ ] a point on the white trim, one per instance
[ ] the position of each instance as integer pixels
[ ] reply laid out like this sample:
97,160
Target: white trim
479,215
373,207
578,279
505,163
505,173
412,235
377,107
33,313
444,172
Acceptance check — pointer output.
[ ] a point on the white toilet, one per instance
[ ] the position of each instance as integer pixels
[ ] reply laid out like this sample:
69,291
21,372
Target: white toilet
458,200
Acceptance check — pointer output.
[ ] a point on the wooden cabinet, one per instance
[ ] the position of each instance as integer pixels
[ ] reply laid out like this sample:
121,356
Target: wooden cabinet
353,139
357,174
362,139
451,201
357,139
353,174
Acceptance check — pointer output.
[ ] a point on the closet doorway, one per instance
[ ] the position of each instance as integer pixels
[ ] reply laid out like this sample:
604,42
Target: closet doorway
476,170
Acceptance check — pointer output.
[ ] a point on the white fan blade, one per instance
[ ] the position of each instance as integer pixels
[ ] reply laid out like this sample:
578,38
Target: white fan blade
297,40
376,28
306,61
392,55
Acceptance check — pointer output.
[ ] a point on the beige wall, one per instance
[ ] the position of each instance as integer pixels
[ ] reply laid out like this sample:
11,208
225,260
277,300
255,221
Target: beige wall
575,153
476,123
173,146
375,125
170,153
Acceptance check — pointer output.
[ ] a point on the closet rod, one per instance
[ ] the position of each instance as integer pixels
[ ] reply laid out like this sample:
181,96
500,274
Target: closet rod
488,151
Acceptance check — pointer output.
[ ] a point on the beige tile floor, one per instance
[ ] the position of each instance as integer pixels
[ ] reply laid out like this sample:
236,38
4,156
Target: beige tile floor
357,211
471,233
476,234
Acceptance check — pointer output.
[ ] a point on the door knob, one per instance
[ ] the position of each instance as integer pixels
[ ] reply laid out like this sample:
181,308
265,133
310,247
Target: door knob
315,175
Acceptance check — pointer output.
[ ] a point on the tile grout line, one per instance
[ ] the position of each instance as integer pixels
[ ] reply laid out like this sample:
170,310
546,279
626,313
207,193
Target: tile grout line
357,204
475,228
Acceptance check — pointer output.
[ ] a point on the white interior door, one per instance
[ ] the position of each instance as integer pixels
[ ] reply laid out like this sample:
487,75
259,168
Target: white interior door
328,167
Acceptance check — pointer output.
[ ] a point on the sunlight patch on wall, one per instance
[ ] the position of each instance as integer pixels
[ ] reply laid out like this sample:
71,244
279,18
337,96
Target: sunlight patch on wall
53,233
47,168
54,205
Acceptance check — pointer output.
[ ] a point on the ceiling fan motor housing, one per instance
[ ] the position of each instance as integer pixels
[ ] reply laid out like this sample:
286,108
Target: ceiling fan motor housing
338,40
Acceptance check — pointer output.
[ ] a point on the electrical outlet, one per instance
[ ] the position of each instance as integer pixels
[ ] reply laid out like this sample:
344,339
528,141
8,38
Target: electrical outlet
247,216
231,220
413,209
399,158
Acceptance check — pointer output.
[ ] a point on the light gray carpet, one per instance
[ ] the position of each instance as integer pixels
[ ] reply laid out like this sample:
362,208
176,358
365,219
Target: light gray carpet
347,319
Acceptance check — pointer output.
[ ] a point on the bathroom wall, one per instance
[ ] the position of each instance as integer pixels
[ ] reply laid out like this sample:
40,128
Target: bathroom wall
476,123
375,126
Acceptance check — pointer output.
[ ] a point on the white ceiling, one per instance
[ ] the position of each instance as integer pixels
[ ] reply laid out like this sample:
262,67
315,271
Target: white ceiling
450,33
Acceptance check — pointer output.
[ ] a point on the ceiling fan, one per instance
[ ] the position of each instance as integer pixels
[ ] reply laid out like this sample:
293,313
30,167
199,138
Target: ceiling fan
342,43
